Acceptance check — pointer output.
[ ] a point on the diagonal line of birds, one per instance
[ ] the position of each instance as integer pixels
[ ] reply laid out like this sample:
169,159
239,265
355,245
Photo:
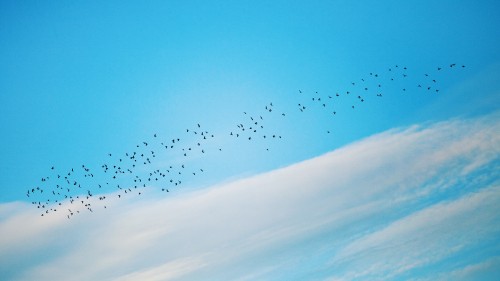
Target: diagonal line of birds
128,172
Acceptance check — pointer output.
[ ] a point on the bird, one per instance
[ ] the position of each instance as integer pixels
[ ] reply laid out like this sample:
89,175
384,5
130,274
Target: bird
253,127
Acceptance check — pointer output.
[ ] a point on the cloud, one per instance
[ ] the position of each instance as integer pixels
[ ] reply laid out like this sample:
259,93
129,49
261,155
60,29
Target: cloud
480,271
424,237
387,206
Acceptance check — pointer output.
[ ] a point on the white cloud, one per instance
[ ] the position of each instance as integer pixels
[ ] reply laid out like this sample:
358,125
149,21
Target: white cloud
165,271
378,200
480,271
425,236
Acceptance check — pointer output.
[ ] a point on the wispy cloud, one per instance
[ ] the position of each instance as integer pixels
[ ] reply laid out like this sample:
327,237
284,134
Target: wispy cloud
424,237
385,207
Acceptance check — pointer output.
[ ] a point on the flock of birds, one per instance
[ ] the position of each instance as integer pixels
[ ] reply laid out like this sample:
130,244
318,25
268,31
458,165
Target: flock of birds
83,188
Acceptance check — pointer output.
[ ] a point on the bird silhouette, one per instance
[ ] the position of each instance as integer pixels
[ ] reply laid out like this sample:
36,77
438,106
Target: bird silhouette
259,127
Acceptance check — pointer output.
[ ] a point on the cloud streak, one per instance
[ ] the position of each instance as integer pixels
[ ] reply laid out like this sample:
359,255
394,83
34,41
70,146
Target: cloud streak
398,204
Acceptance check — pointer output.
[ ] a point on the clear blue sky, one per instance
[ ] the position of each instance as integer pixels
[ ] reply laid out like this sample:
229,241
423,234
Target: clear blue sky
80,80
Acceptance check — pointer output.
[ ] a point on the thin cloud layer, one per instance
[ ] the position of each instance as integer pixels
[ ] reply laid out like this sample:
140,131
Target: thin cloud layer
418,201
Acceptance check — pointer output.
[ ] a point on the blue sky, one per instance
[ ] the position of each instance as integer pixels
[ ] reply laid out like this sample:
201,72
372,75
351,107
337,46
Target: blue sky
81,80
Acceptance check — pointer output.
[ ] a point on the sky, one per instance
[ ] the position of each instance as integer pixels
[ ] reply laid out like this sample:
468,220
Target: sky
383,165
